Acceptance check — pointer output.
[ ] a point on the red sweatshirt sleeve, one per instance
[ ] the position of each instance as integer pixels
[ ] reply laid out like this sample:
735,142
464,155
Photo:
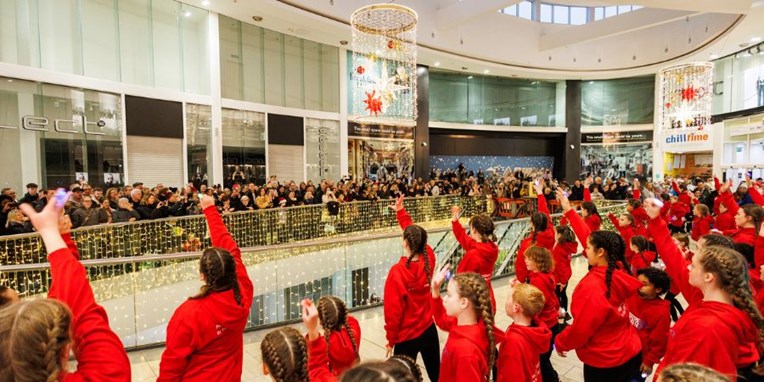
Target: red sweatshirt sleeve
658,338
675,187
586,324
71,245
221,238
521,269
318,362
442,320
729,202
757,197
699,228
579,227
614,220
694,345
758,251
636,194
99,352
676,266
717,184
393,307
181,343
467,368
465,241
404,219
587,195
542,206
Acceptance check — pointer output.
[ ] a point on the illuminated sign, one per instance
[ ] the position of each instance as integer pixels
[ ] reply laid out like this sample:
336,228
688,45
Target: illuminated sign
70,126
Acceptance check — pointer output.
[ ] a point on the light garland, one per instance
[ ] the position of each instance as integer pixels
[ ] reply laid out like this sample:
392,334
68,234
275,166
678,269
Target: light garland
685,97
384,64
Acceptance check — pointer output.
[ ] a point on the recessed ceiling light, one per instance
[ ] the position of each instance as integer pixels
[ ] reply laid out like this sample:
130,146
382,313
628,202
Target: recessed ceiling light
257,19
469,78
187,13
206,3
591,82
755,39
10,80
486,71
436,63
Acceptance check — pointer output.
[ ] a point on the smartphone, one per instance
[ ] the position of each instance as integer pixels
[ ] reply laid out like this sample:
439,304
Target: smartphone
60,197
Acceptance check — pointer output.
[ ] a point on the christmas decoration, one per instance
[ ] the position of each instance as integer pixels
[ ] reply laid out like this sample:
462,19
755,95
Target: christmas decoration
685,93
360,69
373,103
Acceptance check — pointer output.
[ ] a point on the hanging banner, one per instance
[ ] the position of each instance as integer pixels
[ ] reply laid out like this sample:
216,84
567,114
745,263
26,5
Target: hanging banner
380,131
617,137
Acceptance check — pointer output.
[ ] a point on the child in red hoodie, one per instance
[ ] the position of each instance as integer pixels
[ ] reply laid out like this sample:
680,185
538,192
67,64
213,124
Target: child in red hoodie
37,335
625,226
563,253
747,218
409,327
480,249
204,336
465,313
650,316
526,338
677,213
725,220
540,265
542,233
602,336
641,256
341,332
703,221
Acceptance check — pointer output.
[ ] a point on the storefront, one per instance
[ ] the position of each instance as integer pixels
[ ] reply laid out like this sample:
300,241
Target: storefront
380,151
743,152
617,154
686,152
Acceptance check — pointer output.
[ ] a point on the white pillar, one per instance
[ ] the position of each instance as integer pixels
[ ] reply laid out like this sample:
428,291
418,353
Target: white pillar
343,112
216,130
29,146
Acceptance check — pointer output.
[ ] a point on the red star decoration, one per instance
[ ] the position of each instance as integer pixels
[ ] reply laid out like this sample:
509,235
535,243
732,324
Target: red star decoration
689,94
373,104
360,70
668,105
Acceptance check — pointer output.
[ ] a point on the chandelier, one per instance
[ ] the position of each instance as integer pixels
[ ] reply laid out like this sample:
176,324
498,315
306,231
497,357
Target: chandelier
383,78
685,96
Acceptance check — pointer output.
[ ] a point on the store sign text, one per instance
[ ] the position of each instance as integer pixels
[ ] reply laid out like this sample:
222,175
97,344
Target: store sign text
684,138
33,123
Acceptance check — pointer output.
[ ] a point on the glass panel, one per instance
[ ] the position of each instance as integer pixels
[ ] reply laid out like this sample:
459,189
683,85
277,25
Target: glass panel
546,13
243,147
578,15
611,11
525,10
599,13
99,39
322,145
312,74
618,102
194,36
561,14
168,69
135,42
9,37
198,139
274,68
293,95
623,9
230,58
330,78
253,62
60,36
511,10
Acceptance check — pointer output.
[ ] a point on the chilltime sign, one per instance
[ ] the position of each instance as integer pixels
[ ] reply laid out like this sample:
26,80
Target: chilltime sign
70,126
691,141
682,138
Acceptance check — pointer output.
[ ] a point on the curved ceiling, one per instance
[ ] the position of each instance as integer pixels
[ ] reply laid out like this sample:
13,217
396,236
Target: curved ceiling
474,37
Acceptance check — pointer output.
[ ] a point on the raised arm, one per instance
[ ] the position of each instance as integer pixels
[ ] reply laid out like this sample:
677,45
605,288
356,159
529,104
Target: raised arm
461,236
587,192
404,220
576,222
726,198
221,238
756,195
442,320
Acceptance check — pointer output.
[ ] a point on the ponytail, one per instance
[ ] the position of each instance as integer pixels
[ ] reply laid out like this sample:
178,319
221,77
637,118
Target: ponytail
473,287
613,246
416,238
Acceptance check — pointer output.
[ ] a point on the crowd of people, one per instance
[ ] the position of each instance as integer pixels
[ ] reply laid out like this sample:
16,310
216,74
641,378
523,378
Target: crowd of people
621,316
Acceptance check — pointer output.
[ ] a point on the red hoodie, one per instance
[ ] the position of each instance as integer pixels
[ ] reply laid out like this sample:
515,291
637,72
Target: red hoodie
479,257
640,218
593,222
465,356
626,232
318,362
544,239
99,351
562,256
725,221
742,235
601,334
677,212
758,252
519,352
710,334
342,353
407,295
546,283
684,197
652,319
640,260
701,226
204,336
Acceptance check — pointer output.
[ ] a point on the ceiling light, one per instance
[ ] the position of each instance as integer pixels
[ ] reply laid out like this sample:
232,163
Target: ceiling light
469,78
436,63
187,13
591,82
713,56
755,39
206,3
486,71
257,19
343,42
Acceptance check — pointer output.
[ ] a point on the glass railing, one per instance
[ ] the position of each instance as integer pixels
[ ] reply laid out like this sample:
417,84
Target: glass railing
141,293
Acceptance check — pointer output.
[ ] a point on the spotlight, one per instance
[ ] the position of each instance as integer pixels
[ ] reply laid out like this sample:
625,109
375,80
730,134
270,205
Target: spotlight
257,19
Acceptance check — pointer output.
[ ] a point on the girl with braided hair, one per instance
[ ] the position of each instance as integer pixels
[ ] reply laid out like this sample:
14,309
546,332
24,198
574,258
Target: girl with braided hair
480,249
204,336
409,363
748,218
466,314
564,248
341,333
542,233
409,327
37,336
540,266
625,226
604,339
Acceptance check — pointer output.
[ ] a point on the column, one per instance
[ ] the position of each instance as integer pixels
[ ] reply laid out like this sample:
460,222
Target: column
572,150
422,130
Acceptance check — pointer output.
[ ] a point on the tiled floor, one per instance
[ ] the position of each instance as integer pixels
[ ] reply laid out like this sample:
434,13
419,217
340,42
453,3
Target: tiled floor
145,364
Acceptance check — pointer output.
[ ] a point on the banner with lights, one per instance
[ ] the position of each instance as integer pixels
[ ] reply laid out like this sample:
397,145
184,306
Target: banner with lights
384,64
685,104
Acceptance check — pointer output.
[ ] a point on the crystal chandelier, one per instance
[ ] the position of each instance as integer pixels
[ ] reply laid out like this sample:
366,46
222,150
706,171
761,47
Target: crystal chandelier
685,96
384,64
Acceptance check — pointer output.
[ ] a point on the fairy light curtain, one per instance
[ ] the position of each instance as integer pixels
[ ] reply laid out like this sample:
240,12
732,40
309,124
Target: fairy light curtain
685,96
384,63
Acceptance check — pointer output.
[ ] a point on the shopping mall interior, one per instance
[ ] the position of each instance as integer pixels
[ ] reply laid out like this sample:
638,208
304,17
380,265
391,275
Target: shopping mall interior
221,172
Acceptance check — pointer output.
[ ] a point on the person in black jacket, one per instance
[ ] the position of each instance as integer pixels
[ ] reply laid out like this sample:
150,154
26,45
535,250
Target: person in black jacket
88,214
31,196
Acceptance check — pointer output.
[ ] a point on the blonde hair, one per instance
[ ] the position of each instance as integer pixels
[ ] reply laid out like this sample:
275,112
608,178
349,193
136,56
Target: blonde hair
690,372
530,298
542,257
14,216
24,327
473,287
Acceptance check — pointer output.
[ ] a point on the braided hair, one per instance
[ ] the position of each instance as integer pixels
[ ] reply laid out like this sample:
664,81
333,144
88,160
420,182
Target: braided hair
473,287
4,298
539,222
416,238
285,354
483,225
378,372
613,246
590,208
219,270
756,213
333,314
731,271
566,234
33,338
410,364
690,372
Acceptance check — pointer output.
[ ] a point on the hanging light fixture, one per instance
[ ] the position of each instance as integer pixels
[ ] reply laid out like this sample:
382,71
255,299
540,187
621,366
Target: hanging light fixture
685,96
384,64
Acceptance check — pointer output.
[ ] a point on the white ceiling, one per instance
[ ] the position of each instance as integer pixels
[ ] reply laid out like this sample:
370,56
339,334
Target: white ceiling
472,34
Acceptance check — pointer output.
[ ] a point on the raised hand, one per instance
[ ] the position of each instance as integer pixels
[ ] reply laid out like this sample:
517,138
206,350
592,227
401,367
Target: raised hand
653,207
725,186
207,201
437,280
588,181
47,220
310,318
398,203
564,202
538,185
455,212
